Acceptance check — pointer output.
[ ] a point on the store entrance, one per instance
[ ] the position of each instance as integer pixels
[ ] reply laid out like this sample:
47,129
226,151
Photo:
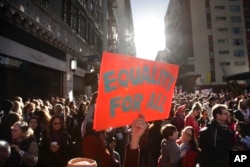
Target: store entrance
37,82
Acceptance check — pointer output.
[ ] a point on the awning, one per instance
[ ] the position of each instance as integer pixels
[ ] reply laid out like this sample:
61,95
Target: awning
239,76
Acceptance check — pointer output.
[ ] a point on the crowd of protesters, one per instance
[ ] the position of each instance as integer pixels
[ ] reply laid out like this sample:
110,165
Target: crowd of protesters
201,129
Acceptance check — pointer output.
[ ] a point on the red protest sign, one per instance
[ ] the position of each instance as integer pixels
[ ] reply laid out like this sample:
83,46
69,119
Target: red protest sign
128,86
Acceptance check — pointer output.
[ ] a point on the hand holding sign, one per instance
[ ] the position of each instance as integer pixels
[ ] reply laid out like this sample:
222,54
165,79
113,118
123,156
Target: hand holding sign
142,86
138,127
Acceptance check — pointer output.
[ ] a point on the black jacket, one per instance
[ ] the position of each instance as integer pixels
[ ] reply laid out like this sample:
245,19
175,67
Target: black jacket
215,142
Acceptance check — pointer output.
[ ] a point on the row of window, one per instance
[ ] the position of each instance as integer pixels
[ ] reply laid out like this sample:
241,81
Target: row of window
236,53
236,63
234,30
233,19
81,25
235,42
232,8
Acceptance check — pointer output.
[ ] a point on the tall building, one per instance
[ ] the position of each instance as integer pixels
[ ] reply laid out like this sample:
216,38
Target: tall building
119,27
39,39
208,40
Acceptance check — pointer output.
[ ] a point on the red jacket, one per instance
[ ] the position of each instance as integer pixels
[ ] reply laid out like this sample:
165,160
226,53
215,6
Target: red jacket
94,148
191,121
131,157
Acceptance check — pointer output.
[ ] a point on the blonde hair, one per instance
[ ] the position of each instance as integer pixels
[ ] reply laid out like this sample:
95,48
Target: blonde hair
27,131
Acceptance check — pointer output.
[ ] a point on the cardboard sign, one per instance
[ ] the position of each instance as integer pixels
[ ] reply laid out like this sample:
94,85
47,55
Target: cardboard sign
129,86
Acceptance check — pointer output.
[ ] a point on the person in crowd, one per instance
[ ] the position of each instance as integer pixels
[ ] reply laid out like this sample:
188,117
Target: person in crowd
178,118
204,119
58,110
19,99
94,147
43,118
58,137
122,138
232,121
242,113
188,143
74,140
132,151
28,110
38,104
111,143
190,119
24,148
69,120
154,141
72,106
4,152
5,126
209,104
17,107
170,150
47,106
41,136
79,118
215,140
241,136
232,105
6,106
88,121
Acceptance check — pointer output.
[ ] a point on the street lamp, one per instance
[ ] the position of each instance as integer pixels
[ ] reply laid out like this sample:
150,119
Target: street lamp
73,64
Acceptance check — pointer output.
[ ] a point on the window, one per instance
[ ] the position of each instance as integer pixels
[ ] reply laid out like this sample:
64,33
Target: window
74,19
208,19
219,7
223,52
224,63
236,30
222,29
190,61
222,40
234,8
209,32
211,54
83,27
210,43
246,7
237,42
220,18
235,19
247,18
212,66
239,63
238,53
207,10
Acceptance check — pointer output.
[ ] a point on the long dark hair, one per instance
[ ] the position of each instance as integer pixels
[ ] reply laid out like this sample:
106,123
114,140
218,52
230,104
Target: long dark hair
192,143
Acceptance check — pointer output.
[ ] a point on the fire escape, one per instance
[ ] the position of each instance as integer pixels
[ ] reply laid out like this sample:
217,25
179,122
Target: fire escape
112,35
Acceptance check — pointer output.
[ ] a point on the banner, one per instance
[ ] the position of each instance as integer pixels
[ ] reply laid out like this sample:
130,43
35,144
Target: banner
129,86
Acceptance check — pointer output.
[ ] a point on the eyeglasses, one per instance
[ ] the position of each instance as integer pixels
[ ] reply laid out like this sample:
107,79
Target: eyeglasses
57,123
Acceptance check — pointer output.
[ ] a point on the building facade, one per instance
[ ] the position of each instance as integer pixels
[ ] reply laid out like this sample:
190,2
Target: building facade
208,39
38,39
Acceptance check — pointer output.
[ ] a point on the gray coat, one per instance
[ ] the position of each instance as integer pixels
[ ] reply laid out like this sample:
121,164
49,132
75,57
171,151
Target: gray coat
170,153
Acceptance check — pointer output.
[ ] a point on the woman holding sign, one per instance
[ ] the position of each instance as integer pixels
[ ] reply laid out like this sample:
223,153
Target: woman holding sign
94,146
132,154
